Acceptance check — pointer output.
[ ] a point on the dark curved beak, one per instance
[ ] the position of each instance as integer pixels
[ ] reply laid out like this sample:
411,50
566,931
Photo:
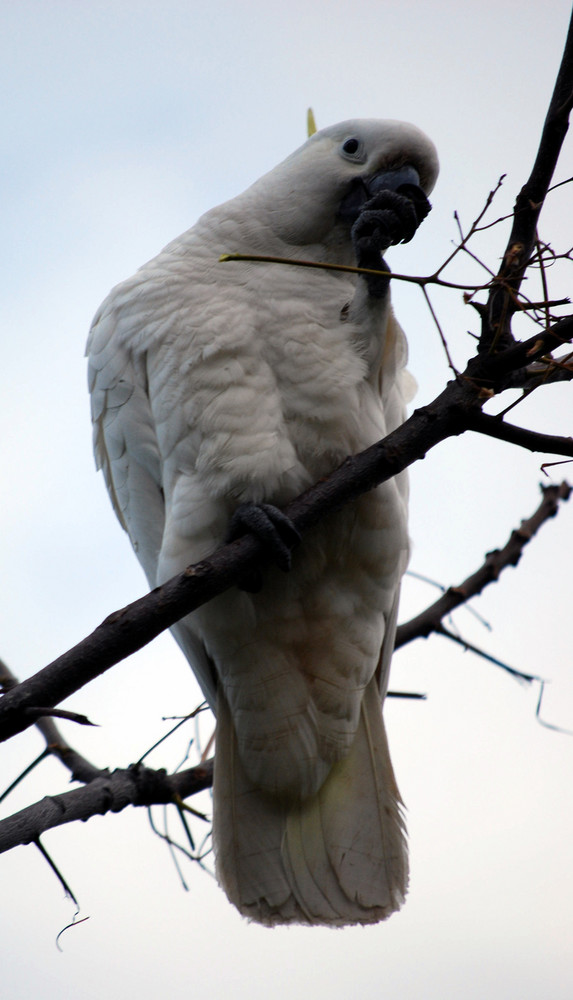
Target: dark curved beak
391,180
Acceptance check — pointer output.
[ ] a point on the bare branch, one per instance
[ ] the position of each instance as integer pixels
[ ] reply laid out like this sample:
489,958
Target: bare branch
104,791
496,327
496,427
79,767
41,712
133,786
474,228
451,413
430,620
142,786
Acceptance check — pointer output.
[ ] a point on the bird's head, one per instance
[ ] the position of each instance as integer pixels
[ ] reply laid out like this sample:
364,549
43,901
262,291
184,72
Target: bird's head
323,185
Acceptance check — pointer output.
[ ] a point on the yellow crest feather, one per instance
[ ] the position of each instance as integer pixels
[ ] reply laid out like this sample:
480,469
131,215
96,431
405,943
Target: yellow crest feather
310,123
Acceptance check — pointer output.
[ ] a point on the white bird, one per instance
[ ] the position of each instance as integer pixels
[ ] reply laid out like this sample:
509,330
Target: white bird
216,386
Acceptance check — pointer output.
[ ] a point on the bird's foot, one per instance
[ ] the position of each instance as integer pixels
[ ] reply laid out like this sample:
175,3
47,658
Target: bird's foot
390,217
270,526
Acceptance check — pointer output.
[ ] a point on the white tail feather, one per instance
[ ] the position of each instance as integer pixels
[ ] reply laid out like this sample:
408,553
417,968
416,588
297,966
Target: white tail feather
336,858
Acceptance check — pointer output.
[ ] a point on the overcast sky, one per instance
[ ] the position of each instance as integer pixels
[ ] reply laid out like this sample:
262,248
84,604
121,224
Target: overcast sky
121,123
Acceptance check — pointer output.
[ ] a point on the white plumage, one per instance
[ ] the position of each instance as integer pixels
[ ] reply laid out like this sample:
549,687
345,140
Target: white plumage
214,384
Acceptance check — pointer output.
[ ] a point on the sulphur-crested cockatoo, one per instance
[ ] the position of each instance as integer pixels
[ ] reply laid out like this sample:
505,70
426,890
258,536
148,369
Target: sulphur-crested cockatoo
220,386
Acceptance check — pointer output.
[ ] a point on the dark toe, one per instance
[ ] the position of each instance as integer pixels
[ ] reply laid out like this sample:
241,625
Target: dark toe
270,526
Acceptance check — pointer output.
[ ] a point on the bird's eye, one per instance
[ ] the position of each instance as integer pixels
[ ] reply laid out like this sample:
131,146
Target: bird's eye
351,146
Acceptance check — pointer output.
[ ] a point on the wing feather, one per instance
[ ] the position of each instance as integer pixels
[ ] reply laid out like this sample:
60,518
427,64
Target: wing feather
125,442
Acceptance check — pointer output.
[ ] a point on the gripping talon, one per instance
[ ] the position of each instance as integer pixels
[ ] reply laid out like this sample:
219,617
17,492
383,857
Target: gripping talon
390,217
271,527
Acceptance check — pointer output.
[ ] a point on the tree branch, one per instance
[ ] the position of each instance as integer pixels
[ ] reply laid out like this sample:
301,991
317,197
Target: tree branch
79,767
496,427
142,786
454,411
132,786
430,620
129,629
501,302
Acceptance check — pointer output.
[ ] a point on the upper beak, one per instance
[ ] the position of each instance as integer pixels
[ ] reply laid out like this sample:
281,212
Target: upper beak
391,180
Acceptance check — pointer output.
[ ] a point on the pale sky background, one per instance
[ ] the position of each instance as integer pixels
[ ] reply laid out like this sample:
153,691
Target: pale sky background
121,123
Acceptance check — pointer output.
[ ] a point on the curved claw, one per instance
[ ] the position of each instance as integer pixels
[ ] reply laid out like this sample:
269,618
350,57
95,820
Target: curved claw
273,528
418,198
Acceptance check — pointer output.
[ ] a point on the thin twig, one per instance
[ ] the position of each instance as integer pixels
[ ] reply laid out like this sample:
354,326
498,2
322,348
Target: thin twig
440,331
319,265
65,885
472,230
470,647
